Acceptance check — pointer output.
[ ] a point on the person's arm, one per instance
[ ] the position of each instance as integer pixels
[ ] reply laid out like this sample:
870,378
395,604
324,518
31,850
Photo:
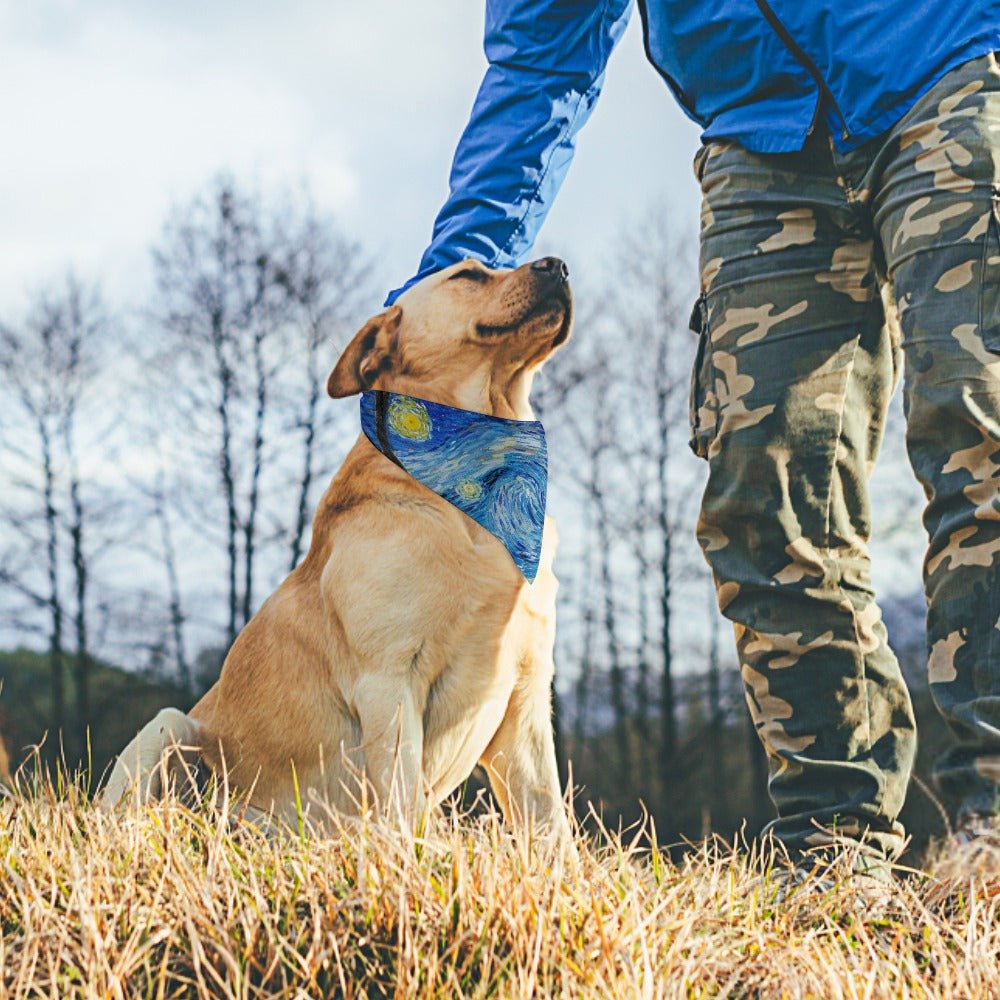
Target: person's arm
546,67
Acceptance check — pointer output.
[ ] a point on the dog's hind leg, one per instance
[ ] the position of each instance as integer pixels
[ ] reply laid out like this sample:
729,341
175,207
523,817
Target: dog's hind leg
168,744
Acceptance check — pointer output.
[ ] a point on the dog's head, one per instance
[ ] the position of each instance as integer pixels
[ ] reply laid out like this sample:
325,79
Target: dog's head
467,336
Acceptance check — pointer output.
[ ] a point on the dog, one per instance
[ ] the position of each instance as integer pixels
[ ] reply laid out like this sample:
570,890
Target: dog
407,646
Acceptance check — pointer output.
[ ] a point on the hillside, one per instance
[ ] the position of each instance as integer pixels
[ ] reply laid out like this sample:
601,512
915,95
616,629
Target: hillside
121,702
167,902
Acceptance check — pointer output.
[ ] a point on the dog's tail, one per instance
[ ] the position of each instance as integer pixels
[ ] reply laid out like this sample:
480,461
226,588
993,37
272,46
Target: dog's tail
165,750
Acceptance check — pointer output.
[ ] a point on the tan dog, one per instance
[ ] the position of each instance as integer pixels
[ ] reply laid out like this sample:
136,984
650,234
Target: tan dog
407,646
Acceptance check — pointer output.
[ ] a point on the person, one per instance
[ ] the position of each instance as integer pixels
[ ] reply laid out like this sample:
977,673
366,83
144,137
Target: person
849,150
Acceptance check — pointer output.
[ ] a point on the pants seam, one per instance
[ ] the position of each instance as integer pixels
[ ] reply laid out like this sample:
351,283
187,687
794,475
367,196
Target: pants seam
828,551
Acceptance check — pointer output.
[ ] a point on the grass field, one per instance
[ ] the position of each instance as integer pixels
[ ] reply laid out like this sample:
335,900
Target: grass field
167,901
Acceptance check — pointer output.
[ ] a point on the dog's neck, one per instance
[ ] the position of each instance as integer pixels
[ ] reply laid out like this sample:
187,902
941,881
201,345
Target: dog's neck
496,395
511,400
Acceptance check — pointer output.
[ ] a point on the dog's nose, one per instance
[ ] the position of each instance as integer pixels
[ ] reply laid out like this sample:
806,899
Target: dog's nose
552,266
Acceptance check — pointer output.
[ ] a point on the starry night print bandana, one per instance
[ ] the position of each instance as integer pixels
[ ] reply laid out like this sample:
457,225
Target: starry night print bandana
493,469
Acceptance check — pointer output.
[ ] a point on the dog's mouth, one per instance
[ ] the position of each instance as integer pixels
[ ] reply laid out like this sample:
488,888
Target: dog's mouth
564,328
555,304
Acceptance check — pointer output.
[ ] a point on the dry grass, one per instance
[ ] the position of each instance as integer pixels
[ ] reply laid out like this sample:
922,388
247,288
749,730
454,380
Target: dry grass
168,901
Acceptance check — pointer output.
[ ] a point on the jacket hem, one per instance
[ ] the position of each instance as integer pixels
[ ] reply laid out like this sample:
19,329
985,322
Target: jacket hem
885,121
792,140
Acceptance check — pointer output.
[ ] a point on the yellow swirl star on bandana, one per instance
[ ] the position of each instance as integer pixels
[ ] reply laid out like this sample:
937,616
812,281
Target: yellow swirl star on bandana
409,419
469,489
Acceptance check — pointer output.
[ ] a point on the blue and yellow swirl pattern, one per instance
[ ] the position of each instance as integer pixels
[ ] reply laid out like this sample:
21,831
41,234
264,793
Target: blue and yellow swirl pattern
492,469
408,418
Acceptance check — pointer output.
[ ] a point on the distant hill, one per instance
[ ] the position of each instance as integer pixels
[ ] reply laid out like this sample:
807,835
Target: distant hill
121,702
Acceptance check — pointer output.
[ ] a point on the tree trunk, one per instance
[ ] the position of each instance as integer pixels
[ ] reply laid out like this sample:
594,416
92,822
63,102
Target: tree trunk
619,702
250,527
642,647
81,661
173,583
717,777
583,679
229,493
668,708
57,693
308,447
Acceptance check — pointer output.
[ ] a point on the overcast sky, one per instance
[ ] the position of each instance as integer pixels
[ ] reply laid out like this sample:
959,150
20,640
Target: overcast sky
114,109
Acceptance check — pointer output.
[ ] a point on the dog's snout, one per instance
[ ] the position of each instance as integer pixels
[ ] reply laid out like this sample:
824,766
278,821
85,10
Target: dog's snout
552,267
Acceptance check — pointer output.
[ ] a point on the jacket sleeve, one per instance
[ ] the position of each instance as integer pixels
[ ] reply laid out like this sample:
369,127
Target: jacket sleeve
546,67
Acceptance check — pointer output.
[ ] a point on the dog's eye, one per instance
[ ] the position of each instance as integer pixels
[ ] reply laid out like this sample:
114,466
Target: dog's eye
471,274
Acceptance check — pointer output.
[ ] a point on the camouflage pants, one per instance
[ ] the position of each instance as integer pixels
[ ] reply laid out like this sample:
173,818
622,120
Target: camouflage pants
795,371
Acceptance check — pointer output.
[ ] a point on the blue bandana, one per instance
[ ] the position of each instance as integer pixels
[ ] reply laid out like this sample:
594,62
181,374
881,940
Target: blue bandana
493,469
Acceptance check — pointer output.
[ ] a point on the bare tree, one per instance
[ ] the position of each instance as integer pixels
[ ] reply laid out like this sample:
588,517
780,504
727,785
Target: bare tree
328,279
715,707
590,433
214,271
83,321
585,667
49,363
645,580
27,361
651,307
623,425
253,298
598,489
168,551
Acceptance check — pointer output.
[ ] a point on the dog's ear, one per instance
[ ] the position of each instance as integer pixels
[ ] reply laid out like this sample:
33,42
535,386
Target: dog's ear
369,355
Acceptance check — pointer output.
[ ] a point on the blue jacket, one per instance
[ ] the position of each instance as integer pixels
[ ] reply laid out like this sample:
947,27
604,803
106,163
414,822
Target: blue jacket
760,72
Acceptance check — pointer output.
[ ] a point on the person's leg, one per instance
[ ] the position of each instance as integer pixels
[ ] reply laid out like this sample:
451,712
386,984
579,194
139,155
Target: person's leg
789,405
938,216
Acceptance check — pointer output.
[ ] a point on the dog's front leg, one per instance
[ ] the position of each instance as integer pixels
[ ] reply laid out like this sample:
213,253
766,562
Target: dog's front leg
392,732
521,762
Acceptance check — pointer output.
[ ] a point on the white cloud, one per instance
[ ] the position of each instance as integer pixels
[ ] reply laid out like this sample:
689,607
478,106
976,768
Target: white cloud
116,109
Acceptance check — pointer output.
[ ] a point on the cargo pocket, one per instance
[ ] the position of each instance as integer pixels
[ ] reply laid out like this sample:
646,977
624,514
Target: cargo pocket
700,409
989,292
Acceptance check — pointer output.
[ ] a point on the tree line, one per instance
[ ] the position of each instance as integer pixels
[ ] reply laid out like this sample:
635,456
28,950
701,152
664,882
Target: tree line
161,462
149,456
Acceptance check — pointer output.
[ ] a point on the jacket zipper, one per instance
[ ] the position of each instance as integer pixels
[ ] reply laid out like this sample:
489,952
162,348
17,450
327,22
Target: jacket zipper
670,81
811,68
